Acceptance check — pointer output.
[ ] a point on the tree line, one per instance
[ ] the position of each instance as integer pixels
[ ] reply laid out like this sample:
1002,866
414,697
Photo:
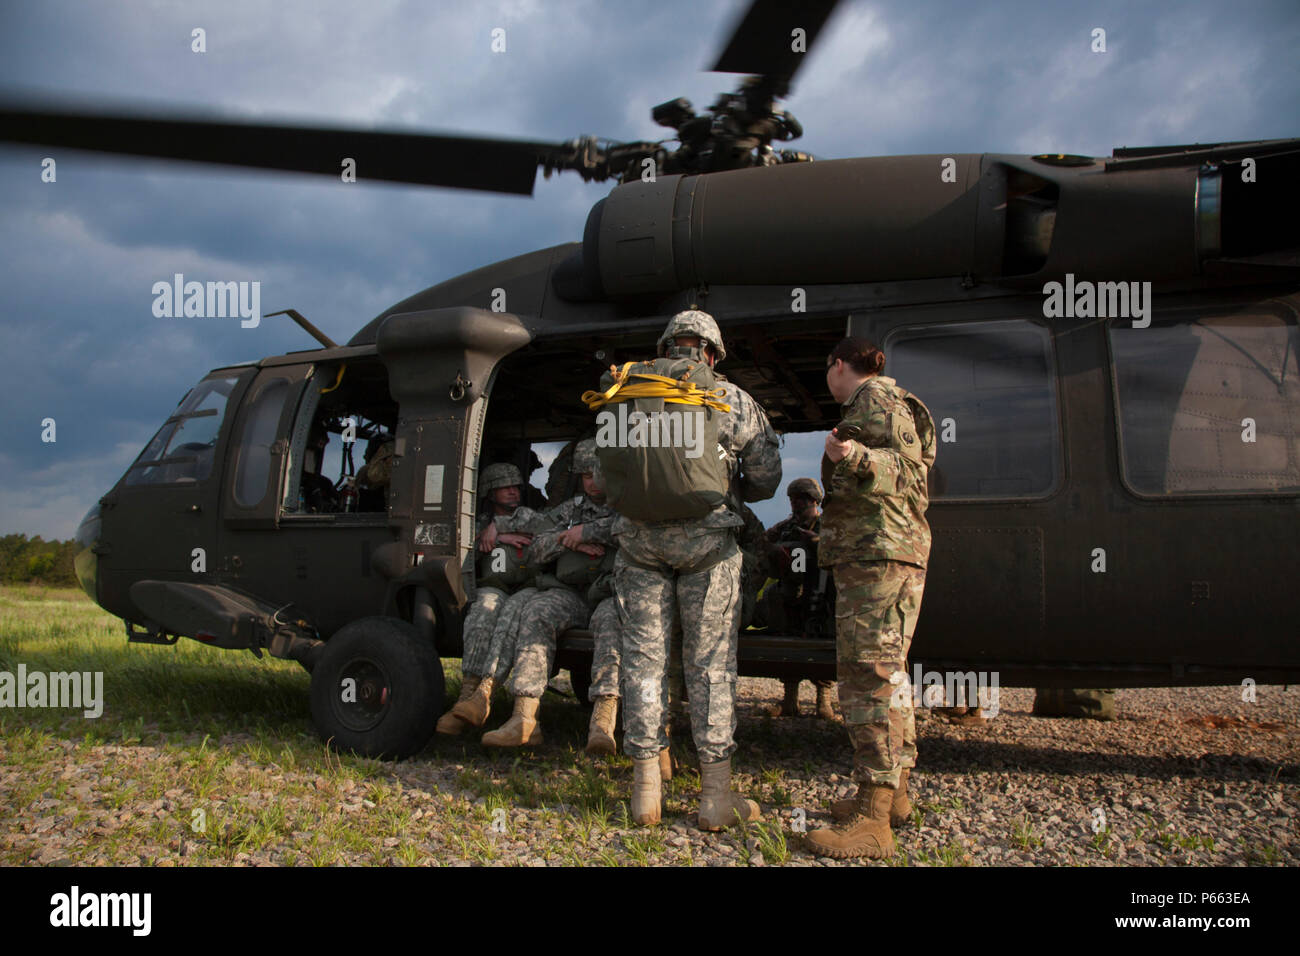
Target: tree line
35,560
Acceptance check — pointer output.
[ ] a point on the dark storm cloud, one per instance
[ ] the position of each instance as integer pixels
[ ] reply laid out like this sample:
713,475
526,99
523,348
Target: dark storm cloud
78,258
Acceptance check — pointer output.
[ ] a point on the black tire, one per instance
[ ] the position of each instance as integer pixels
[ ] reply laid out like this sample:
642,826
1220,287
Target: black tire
396,694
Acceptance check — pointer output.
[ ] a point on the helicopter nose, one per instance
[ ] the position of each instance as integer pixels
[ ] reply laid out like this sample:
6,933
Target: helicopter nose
87,562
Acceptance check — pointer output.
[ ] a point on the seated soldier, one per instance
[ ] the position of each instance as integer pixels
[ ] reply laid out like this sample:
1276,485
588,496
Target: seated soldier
318,494
799,601
505,529
581,549
372,480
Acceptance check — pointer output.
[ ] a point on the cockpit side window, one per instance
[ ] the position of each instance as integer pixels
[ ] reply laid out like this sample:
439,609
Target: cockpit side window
183,449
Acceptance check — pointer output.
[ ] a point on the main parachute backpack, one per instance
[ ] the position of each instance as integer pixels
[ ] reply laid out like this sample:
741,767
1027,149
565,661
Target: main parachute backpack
657,465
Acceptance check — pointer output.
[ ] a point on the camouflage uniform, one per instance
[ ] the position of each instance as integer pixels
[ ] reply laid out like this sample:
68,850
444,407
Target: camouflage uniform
554,610
790,603
488,634
607,650
875,536
689,569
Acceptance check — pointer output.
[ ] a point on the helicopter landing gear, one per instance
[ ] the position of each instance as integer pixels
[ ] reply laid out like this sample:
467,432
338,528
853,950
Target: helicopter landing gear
377,689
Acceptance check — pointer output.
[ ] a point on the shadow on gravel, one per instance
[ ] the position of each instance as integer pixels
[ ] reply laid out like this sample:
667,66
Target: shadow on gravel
954,754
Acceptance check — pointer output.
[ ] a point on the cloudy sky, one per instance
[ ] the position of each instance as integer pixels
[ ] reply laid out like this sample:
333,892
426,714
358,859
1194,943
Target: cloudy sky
78,257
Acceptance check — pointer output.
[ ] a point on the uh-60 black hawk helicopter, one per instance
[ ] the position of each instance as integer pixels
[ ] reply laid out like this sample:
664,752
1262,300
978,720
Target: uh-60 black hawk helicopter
1117,495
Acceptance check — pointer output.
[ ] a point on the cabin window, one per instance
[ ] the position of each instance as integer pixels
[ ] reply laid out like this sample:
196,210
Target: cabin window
255,445
991,387
182,451
1209,404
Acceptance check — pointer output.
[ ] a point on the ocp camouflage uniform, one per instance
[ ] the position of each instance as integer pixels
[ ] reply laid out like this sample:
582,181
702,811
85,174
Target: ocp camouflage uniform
558,607
691,568
875,535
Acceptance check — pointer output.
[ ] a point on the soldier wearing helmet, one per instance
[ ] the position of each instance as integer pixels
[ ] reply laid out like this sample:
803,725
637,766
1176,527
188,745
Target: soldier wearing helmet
504,529
689,570
575,549
800,602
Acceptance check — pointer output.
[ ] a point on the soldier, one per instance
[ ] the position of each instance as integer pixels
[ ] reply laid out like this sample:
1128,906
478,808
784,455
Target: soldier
875,536
581,546
504,528
792,604
1086,703
691,567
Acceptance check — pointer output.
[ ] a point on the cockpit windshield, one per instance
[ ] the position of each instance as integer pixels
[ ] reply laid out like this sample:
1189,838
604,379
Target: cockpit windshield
183,449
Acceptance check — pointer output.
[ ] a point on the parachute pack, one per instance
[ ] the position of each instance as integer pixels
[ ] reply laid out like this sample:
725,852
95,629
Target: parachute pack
657,439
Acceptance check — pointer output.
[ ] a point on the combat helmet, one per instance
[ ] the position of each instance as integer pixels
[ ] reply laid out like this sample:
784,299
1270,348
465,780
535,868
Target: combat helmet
584,457
692,322
499,475
806,486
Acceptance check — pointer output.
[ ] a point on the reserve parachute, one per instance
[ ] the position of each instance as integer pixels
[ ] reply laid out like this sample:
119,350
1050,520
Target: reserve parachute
657,439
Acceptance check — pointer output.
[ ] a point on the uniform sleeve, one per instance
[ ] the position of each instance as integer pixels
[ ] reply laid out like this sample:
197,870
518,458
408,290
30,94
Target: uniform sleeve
546,547
871,458
600,530
760,452
526,521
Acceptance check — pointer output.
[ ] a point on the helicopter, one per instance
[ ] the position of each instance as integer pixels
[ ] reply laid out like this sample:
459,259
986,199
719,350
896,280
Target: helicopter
1108,345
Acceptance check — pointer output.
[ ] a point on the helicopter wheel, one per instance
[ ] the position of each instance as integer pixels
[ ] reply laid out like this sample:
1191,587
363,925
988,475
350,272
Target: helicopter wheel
377,689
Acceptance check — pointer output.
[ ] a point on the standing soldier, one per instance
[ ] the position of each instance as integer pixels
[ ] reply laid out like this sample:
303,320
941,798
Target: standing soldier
503,529
875,536
580,546
689,568
800,600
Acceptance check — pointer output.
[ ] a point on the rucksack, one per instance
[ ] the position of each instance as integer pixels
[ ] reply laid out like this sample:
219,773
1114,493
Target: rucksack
657,439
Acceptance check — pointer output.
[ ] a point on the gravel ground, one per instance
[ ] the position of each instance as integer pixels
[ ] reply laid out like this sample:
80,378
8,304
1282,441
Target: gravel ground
1183,776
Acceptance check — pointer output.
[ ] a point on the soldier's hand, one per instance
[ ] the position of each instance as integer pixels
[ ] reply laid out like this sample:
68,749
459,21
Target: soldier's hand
592,549
487,538
571,537
515,539
836,449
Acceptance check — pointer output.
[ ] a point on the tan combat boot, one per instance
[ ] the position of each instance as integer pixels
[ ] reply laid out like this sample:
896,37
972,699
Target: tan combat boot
866,834
666,764
647,798
521,730
824,709
900,810
719,806
600,732
449,723
474,709
789,706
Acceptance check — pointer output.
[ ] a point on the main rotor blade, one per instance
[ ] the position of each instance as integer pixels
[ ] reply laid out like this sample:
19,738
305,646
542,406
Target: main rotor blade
457,162
763,41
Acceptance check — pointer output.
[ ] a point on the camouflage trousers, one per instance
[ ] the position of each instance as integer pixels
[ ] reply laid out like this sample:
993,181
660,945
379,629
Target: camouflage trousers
546,616
690,574
489,632
875,618
607,650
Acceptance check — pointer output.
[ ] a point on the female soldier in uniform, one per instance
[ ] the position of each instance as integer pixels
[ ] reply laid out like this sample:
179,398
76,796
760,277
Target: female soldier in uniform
875,536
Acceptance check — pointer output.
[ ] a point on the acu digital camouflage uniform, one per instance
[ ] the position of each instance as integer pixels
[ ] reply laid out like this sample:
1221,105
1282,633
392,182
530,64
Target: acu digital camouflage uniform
493,619
488,632
875,536
689,569
555,609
